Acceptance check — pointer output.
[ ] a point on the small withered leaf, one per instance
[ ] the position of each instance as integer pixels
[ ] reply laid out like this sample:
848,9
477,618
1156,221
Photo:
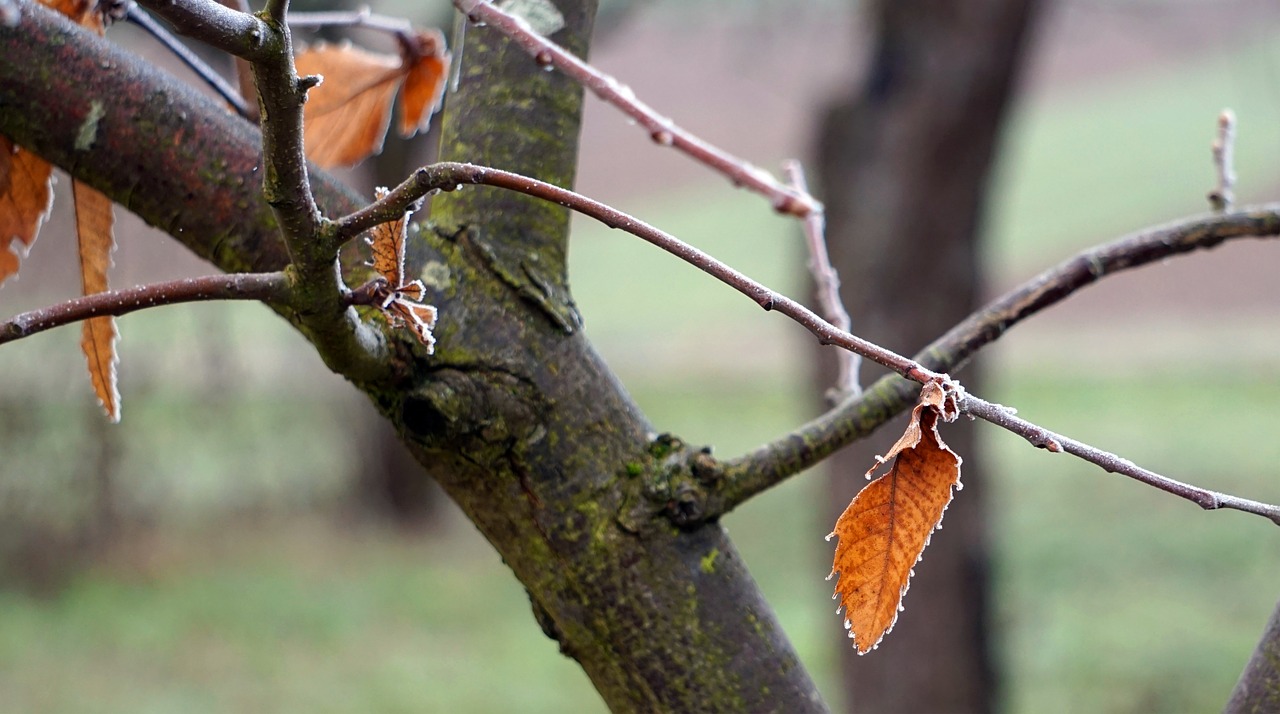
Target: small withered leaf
886,527
94,223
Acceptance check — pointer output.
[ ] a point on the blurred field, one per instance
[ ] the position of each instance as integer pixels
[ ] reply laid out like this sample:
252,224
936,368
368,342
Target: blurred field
245,584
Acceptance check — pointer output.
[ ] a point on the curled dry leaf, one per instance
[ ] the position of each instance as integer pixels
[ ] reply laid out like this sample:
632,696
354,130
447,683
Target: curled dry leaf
346,117
402,302
884,531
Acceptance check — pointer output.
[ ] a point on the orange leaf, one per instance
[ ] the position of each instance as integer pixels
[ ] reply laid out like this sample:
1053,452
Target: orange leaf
346,117
387,242
884,531
98,338
428,65
26,194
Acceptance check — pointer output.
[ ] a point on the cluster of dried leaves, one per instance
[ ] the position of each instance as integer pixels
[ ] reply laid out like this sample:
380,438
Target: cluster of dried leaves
26,194
346,118
883,532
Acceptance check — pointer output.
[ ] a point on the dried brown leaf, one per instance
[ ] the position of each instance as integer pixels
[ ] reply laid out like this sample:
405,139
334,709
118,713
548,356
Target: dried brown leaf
401,301
387,242
427,61
346,117
26,194
98,337
884,531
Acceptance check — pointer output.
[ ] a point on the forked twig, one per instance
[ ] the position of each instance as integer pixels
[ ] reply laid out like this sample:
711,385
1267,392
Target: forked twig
827,288
662,130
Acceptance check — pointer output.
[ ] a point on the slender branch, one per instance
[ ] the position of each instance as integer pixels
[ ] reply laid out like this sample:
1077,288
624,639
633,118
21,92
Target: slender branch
1223,196
364,17
1056,443
448,175
234,32
263,287
175,46
662,130
776,461
827,287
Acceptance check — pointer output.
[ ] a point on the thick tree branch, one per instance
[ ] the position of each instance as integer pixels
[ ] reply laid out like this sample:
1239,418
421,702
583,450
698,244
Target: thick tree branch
663,131
776,461
262,287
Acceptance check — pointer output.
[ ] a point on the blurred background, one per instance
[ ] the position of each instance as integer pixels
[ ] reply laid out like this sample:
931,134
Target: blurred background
241,541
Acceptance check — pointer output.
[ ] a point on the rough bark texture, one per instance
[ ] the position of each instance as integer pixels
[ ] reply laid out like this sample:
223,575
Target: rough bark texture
1258,690
519,420
904,163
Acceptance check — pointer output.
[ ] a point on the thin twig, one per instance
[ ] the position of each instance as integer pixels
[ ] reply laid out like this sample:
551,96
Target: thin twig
662,130
774,462
263,287
175,46
364,17
234,32
827,288
1043,438
1223,196
447,175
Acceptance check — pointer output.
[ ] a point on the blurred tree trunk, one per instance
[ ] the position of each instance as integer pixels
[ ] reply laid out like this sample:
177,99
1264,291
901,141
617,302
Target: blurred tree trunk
904,160
1259,687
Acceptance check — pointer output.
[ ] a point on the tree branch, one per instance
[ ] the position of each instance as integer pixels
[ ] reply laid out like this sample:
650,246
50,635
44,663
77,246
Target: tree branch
263,287
663,131
827,288
347,344
237,33
451,174
774,462
1043,438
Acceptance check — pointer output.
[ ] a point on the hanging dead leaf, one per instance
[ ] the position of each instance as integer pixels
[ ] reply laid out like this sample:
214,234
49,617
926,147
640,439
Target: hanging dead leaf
26,194
346,117
401,302
98,335
884,531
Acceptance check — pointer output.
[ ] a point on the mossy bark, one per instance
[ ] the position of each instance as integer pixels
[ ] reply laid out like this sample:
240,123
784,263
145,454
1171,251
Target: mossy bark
515,415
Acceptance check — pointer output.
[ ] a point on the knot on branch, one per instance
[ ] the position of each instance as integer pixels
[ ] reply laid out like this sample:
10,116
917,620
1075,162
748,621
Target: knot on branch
676,481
